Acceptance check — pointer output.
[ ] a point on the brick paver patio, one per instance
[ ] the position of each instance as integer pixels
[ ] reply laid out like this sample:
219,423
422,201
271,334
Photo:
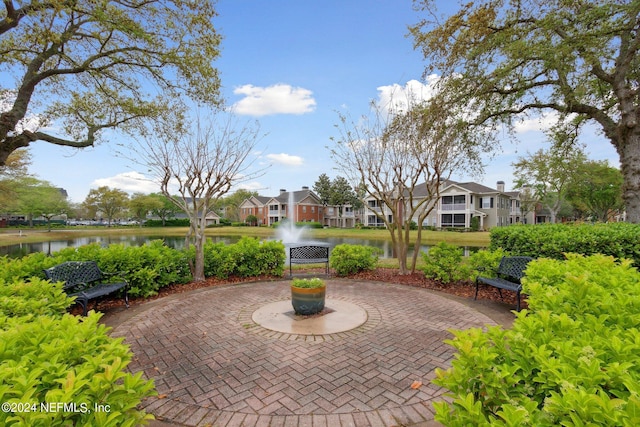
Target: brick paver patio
213,366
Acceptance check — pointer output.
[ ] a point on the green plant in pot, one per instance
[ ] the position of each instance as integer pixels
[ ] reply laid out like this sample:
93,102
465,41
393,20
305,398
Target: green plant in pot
307,295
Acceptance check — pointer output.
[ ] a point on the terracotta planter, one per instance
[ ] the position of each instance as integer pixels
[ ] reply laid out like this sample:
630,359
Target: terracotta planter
308,301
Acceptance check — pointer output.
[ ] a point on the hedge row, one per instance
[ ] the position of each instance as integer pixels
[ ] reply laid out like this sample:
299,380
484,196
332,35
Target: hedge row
620,240
150,267
570,360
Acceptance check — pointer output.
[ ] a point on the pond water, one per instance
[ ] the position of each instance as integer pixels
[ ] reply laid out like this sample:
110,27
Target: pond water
177,242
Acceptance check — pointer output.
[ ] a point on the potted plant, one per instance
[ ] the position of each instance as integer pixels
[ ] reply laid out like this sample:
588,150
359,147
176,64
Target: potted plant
307,295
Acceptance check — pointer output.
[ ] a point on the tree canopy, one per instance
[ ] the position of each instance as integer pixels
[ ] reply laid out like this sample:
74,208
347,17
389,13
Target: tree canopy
87,66
509,59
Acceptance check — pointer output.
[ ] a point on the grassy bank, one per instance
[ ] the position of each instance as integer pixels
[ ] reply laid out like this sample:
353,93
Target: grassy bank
14,236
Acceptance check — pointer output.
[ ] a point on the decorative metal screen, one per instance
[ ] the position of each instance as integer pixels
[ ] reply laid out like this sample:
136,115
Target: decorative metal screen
513,267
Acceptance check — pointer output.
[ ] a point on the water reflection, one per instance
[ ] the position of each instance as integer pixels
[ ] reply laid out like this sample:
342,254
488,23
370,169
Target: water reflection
177,242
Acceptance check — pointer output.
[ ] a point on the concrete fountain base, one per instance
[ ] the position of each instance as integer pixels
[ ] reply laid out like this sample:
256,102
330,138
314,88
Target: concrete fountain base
338,316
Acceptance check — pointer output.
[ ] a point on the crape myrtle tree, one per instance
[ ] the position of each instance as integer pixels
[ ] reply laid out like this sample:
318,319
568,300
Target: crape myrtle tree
578,59
401,154
198,167
87,66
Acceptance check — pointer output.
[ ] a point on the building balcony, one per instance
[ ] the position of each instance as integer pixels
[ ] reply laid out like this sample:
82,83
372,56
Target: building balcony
453,207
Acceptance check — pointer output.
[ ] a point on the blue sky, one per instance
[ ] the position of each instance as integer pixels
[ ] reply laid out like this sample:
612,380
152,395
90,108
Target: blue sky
292,65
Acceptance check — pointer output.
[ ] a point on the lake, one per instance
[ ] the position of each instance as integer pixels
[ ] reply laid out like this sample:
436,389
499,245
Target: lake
177,242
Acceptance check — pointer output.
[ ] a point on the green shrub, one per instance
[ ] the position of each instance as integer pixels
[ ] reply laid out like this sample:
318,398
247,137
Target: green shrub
35,298
350,259
620,240
249,257
571,359
48,356
445,262
485,261
72,360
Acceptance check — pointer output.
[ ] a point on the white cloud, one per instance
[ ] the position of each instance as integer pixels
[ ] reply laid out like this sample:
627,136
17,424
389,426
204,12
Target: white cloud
276,99
539,123
285,159
396,97
131,182
30,122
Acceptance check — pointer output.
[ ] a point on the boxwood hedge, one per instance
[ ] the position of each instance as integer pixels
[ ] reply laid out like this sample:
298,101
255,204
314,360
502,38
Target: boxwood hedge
620,240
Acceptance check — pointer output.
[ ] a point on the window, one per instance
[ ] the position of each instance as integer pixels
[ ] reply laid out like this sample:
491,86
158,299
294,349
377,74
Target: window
453,220
273,208
313,209
373,204
374,221
304,209
486,202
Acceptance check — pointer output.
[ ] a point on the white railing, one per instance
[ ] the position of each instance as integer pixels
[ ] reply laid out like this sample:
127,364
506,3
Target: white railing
453,207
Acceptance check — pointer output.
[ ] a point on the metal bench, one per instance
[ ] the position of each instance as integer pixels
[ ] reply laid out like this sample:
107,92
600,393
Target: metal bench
309,254
509,273
83,280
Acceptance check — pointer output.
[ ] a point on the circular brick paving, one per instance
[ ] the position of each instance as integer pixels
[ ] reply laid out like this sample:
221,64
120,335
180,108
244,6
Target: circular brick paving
213,366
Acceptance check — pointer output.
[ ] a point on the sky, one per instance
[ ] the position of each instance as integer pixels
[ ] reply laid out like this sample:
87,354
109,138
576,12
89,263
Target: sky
294,66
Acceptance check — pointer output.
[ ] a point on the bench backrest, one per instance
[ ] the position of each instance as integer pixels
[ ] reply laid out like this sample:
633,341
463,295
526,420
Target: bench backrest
74,273
512,267
309,252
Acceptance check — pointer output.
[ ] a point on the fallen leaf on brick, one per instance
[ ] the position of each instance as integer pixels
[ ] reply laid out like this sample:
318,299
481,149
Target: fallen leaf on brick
416,385
162,396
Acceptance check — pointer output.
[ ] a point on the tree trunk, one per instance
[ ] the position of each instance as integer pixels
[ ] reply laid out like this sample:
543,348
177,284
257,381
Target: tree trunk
630,161
200,238
198,271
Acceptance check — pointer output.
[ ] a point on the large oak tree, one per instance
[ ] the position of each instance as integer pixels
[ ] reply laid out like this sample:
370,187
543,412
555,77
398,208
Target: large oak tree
87,66
577,58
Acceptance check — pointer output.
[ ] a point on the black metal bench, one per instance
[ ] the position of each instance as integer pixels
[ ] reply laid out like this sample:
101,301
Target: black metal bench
84,280
309,254
509,273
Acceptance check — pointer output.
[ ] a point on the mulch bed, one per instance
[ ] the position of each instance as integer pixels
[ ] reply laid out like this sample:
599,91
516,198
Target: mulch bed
387,275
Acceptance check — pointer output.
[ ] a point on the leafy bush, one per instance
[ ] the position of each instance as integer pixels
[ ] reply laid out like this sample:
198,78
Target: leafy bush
350,259
444,262
48,356
35,298
485,261
571,359
619,240
71,360
247,258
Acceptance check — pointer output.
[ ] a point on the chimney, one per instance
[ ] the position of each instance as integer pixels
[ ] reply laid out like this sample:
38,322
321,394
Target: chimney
304,187
500,186
283,190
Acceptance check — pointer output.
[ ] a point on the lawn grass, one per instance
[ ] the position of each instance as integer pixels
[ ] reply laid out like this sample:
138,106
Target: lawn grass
12,236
